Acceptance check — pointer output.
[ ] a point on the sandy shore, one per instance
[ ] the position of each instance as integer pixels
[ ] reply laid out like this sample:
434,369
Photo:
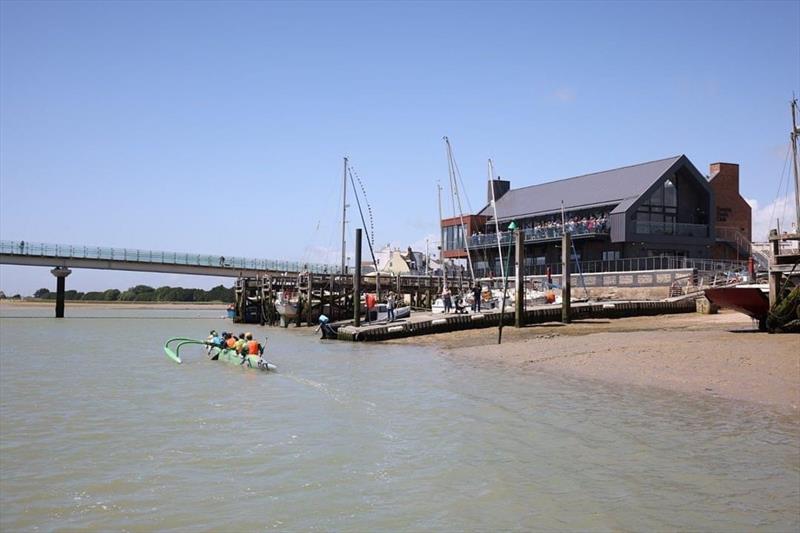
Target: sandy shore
115,305
721,355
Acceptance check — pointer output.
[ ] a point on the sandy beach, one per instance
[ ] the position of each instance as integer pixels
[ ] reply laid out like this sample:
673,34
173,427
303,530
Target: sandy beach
721,355
11,304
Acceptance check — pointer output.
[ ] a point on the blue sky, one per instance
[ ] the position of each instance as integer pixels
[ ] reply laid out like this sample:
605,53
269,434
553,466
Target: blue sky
220,127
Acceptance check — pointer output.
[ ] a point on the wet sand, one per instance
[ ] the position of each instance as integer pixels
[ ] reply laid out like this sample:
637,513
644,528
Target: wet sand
722,355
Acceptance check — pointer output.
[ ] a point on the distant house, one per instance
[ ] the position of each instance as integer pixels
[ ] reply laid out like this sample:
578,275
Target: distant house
663,208
394,261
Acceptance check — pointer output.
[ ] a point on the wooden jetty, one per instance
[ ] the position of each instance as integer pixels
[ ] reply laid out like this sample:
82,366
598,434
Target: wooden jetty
331,294
427,323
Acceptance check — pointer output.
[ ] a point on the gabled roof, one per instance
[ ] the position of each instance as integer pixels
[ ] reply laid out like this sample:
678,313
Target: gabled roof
620,186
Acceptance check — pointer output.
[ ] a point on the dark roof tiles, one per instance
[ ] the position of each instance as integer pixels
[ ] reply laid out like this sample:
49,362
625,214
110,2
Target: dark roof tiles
620,186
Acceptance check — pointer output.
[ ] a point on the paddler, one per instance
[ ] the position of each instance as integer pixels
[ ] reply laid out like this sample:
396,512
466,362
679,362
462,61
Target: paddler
240,342
230,341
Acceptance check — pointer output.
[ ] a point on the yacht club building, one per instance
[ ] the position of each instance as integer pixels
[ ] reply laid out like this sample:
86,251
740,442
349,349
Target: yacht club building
663,208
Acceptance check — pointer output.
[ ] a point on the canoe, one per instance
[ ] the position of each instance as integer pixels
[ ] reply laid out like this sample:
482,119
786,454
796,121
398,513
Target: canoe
173,347
231,357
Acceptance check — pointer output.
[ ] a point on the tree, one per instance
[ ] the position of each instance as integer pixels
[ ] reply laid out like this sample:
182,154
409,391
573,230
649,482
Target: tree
111,295
93,296
41,293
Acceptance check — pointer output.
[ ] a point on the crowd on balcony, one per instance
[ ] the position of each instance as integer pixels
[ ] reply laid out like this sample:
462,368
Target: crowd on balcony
551,228
576,224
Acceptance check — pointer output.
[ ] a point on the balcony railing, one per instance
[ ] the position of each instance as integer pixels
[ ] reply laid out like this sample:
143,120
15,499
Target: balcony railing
625,265
537,234
671,228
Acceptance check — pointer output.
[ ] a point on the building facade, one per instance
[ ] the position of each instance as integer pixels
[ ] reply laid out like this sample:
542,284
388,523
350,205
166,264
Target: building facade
663,208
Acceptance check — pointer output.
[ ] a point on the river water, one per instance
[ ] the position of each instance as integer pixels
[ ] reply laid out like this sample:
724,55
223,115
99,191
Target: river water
99,430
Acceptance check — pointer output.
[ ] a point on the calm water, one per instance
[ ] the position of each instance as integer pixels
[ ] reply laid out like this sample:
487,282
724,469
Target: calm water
99,430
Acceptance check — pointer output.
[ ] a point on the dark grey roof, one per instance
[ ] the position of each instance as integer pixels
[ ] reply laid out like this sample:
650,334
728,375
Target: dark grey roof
620,186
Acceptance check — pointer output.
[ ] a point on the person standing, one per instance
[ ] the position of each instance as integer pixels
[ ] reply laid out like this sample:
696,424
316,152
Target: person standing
476,298
390,302
447,300
369,300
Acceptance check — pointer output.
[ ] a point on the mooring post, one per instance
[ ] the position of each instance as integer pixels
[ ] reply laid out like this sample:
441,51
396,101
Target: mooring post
519,285
61,274
357,282
566,246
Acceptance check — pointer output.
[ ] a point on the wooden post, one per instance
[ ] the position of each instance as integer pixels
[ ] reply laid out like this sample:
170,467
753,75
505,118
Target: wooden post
357,282
566,246
519,285
310,295
774,275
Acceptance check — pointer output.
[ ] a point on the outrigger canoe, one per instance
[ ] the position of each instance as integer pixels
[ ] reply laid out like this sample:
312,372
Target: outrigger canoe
173,346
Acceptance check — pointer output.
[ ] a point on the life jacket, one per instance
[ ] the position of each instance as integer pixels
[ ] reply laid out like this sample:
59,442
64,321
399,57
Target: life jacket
239,345
370,301
230,342
252,347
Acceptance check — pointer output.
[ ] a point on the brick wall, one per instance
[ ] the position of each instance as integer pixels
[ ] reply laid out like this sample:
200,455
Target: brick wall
732,210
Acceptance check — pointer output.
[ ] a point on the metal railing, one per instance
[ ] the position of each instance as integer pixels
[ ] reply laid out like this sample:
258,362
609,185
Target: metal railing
69,251
671,228
536,234
628,265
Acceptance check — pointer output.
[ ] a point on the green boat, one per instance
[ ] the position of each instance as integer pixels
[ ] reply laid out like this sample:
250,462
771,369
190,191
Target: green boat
173,347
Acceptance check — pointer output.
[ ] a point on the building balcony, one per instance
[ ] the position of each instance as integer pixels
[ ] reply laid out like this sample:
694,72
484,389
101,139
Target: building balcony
542,234
672,228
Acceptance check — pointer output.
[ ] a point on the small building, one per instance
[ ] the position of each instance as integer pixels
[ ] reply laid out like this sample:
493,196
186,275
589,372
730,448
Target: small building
663,208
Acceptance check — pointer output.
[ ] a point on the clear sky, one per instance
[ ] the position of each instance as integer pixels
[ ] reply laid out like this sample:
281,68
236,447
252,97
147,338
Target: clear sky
220,127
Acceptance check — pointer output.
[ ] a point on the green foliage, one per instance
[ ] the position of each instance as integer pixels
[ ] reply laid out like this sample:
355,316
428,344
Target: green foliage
145,293
111,295
94,296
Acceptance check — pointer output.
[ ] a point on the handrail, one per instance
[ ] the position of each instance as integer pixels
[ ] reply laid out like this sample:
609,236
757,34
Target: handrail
67,251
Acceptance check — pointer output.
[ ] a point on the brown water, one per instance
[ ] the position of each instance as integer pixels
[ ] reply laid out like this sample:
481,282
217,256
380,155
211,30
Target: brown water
99,430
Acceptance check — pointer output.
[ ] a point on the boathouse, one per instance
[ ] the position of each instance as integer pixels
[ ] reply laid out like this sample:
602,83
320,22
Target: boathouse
658,209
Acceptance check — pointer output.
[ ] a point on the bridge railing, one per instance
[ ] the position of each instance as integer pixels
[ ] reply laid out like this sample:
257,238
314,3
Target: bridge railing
70,251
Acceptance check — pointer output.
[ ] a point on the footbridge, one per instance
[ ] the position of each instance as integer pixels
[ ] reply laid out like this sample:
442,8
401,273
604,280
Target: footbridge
62,257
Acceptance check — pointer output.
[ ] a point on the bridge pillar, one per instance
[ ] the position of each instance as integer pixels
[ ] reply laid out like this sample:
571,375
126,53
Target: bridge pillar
61,274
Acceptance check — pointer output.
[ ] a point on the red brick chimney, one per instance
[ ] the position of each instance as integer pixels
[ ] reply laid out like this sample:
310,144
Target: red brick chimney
732,210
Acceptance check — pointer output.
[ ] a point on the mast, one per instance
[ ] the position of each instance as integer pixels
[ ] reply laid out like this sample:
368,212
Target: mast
454,187
496,222
344,213
441,236
795,133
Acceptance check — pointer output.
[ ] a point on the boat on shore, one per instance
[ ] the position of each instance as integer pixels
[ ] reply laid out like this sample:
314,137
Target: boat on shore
173,346
752,300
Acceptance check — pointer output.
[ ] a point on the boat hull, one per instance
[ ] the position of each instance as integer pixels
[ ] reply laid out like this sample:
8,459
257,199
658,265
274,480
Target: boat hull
748,300
231,357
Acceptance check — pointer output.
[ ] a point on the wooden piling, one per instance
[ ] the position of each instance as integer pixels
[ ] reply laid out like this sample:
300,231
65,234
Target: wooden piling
566,246
519,281
357,282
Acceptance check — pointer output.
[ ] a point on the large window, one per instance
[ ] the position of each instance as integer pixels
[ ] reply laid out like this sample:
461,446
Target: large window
453,237
659,212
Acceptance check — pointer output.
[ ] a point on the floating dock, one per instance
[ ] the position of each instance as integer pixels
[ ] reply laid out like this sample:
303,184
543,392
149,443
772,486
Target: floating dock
428,323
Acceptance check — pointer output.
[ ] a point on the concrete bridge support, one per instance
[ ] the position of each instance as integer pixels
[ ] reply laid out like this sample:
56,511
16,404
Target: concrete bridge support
61,274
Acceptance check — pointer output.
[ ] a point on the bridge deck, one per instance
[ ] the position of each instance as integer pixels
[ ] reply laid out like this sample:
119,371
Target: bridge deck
99,257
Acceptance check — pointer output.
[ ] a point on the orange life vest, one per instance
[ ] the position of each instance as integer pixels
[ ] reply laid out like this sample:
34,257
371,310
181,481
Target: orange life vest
370,301
230,342
252,347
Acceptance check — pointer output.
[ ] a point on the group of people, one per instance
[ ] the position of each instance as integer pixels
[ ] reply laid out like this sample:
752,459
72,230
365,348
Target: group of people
371,301
554,227
244,344
457,304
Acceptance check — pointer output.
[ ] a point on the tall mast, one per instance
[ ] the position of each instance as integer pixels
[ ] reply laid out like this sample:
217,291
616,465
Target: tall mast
344,213
441,235
795,133
454,186
496,222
